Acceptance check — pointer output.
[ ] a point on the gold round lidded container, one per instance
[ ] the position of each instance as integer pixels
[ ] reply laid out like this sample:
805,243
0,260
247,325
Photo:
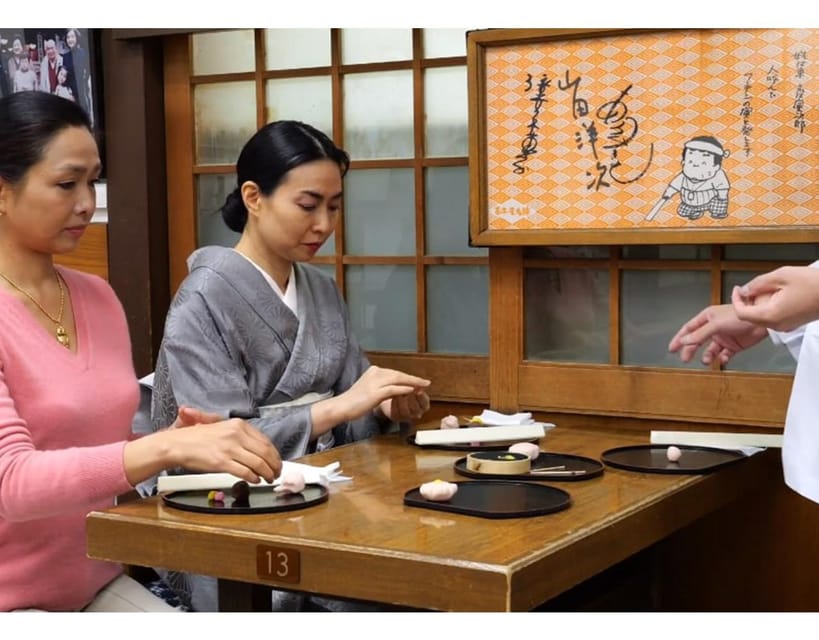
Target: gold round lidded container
499,462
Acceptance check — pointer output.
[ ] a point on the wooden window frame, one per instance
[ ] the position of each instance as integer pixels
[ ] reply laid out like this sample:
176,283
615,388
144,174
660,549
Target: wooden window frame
457,378
504,380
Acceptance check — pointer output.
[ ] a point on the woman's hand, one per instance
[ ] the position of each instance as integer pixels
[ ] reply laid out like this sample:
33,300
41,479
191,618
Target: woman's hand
188,417
375,386
783,299
719,326
410,406
228,446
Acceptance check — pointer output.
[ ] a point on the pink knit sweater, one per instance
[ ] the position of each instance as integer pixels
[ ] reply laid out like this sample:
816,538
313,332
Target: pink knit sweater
64,420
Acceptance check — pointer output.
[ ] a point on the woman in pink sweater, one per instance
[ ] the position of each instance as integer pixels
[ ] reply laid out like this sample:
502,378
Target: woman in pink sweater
68,390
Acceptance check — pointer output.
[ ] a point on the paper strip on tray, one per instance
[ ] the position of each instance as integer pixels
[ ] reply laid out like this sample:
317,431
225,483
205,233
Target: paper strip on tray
716,439
479,434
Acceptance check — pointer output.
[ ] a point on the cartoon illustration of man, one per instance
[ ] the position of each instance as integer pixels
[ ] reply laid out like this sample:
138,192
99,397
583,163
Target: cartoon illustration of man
703,185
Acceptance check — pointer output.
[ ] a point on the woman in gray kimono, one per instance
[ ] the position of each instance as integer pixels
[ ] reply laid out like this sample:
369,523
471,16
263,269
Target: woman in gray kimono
256,333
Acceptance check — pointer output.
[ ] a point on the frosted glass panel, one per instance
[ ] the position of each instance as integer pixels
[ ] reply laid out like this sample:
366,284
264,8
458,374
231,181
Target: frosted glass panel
375,45
378,115
778,252
327,269
458,309
444,43
329,246
296,48
666,252
225,118
211,191
379,212
381,300
445,111
566,315
306,99
765,356
447,211
654,305
223,52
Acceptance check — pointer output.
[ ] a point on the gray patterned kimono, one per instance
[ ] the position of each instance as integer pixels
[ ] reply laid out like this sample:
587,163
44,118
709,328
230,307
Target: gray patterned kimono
233,347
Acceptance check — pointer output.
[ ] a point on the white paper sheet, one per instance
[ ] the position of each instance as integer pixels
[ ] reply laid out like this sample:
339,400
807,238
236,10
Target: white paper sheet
214,481
748,443
480,434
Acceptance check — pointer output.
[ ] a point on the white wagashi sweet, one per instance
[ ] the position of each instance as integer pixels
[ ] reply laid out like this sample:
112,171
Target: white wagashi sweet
450,422
526,448
673,453
438,490
292,481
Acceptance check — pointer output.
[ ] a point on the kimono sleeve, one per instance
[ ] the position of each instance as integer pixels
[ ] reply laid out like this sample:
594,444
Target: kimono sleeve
201,364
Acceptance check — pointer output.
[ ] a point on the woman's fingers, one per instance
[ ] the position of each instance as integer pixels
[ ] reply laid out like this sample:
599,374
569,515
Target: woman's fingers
189,416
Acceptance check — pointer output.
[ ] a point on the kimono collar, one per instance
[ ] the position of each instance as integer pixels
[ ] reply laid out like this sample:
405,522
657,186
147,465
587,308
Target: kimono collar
290,296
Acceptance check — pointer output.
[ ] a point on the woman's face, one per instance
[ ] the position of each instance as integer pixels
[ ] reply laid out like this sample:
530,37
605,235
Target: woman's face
17,47
300,214
48,210
71,39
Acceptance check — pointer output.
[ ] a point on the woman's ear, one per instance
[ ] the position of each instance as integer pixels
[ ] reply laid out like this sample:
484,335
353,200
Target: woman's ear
5,193
251,196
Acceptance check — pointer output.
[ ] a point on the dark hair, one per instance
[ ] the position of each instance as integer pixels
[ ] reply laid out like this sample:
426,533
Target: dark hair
266,158
29,121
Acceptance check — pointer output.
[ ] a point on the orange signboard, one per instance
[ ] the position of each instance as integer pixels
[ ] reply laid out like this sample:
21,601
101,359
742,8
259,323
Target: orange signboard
665,130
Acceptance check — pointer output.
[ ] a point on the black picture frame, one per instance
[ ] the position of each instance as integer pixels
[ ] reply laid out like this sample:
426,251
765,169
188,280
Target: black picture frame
76,73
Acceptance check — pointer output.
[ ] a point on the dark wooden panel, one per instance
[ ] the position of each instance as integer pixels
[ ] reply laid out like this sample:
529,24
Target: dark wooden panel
179,157
755,555
696,396
505,326
135,154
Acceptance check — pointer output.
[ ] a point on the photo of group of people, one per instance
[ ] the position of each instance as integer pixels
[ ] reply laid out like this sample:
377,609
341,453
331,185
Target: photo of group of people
51,60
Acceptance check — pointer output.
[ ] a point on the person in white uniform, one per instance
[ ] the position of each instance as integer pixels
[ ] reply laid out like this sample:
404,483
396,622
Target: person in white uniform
783,305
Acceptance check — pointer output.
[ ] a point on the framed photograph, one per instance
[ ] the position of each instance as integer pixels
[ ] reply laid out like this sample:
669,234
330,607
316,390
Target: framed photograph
59,61
582,136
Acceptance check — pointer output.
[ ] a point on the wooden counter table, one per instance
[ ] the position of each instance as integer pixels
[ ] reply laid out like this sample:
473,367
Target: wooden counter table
365,543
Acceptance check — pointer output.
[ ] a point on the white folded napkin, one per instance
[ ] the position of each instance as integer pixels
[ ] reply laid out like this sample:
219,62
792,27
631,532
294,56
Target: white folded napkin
213,481
494,418
466,435
746,443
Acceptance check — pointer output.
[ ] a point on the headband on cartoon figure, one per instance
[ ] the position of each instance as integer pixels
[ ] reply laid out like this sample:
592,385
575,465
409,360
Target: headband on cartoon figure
710,147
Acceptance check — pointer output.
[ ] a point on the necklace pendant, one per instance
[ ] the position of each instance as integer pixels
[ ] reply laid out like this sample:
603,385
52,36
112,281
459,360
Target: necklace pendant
62,336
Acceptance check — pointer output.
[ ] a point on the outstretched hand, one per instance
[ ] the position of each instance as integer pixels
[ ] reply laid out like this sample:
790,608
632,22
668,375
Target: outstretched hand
410,406
188,417
719,327
229,446
400,395
782,299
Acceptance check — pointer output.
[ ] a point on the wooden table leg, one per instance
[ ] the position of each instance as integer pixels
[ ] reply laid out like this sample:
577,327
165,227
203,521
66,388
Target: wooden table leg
243,596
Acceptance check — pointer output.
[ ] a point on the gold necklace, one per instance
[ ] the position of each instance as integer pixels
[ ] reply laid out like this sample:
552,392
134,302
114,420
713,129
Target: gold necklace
62,334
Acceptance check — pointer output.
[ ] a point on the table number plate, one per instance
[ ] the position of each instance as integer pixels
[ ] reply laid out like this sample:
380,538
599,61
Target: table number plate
278,563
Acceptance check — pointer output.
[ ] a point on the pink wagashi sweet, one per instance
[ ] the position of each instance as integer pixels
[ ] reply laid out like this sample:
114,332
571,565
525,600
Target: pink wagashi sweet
292,481
450,422
438,490
673,453
526,448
